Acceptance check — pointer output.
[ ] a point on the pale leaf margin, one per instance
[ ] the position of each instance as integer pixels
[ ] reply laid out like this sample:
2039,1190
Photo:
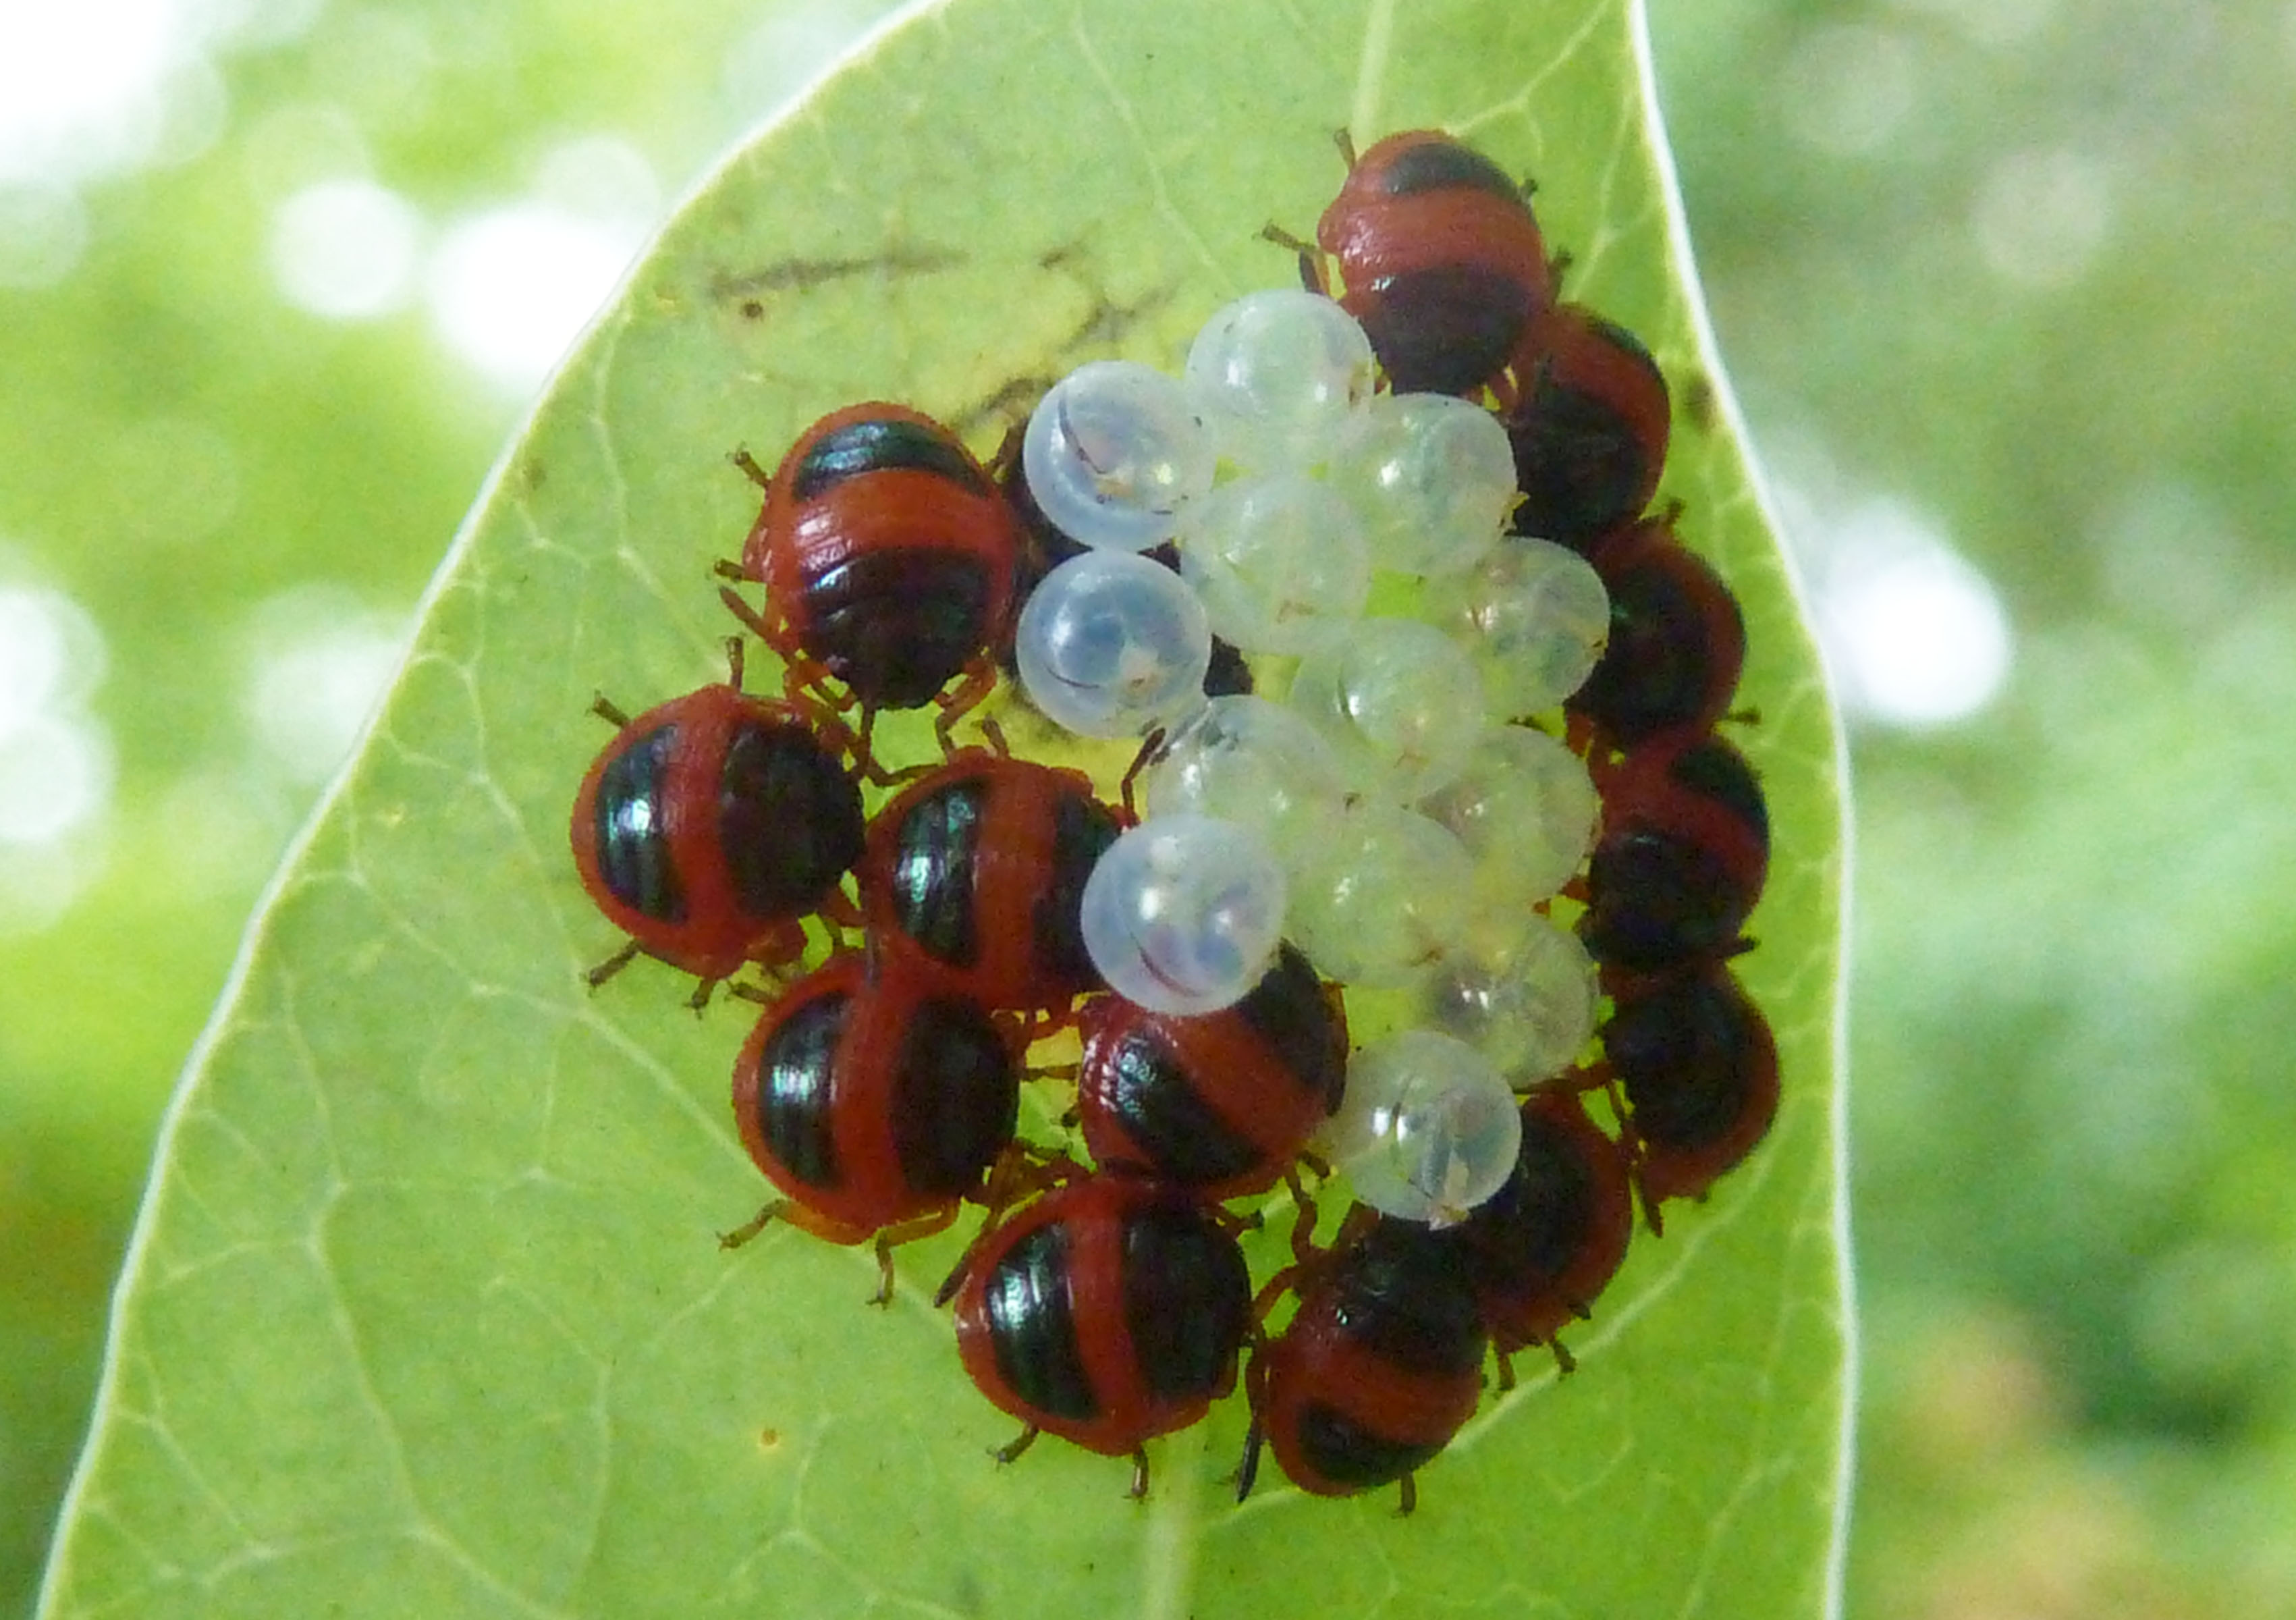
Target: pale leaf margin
1725,398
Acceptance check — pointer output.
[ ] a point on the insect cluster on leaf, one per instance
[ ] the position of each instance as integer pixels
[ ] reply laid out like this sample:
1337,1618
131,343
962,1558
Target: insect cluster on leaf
1431,703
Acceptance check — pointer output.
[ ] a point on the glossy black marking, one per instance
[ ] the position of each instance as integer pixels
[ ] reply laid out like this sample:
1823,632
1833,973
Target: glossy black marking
795,1069
1403,1293
1659,668
1187,1300
1150,1098
634,857
1447,329
1288,1009
956,1097
1715,770
1684,1054
1654,900
1531,1230
878,446
1033,1328
897,626
1082,830
933,858
1434,166
1345,1452
1579,465
788,818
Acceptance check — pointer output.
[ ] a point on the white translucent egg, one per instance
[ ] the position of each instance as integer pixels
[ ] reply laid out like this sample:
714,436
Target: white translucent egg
1376,896
1114,453
1276,560
1242,758
1399,701
1433,477
1427,1130
1525,808
1536,617
1277,377
1520,992
1113,645
1182,914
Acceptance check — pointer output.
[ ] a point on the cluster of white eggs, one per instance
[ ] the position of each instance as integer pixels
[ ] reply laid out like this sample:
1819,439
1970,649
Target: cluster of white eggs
1383,816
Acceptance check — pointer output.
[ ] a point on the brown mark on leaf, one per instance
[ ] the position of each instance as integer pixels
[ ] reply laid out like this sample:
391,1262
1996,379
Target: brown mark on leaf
1106,322
748,291
1699,406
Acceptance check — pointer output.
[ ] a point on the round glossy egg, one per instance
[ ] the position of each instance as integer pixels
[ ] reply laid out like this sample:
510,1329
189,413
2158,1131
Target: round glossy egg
1114,453
1432,478
1278,560
1246,759
1428,1129
1519,990
1534,615
1525,808
1184,913
1277,375
1112,644
1375,898
1399,701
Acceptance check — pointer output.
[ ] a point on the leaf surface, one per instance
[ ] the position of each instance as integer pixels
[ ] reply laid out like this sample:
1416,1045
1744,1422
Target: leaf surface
424,1315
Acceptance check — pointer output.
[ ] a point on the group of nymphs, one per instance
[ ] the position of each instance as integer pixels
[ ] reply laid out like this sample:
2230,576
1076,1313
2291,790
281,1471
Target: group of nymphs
914,933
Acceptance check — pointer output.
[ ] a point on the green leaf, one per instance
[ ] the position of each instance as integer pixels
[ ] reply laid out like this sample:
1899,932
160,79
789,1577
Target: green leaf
424,1315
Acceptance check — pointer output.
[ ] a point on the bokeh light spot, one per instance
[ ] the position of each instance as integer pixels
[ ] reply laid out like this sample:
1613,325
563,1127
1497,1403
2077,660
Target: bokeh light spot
602,177
2041,215
319,661
189,113
241,827
31,659
1916,636
510,289
1848,86
345,248
1927,639
57,763
55,776
78,83
38,883
52,656
513,288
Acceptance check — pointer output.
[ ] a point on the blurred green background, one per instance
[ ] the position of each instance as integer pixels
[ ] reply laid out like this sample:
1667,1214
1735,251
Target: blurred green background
2005,286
